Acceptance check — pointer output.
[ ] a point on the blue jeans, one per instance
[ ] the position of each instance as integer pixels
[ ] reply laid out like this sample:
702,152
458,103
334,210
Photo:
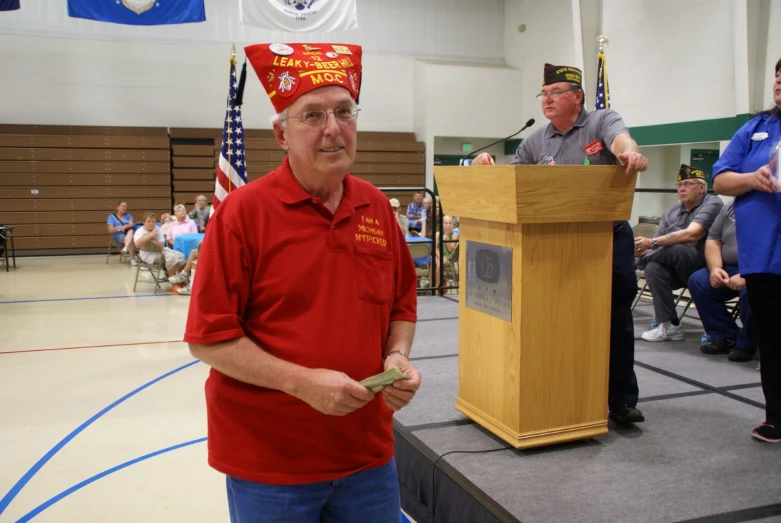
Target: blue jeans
370,495
716,320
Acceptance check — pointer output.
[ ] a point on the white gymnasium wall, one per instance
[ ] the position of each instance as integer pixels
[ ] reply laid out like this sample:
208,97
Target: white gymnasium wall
445,29
58,70
671,60
773,52
460,100
549,37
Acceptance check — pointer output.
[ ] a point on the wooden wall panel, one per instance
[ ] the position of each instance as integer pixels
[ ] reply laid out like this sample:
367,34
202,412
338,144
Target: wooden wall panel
194,162
56,167
85,142
111,192
49,180
58,184
86,155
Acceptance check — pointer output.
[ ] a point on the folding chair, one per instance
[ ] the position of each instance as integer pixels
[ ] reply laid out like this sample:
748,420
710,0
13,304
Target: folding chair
154,270
419,251
451,271
646,230
112,244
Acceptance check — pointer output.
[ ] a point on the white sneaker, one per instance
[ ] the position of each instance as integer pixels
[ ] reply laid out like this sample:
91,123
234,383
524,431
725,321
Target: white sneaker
179,278
664,332
184,291
133,262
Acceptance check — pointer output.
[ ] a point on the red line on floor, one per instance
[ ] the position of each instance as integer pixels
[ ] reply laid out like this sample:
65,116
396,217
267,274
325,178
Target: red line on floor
90,346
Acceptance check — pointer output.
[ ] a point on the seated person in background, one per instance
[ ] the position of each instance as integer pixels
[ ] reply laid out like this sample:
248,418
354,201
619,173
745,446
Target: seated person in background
120,225
427,230
165,220
200,212
149,241
416,213
450,254
718,283
677,250
182,225
187,273
402,220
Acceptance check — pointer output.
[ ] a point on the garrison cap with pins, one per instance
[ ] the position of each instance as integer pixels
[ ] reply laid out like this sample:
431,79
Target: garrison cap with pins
687,172
289,70
553,74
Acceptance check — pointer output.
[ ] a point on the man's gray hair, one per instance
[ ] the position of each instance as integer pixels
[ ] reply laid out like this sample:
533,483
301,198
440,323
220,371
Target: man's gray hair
280,118
178,206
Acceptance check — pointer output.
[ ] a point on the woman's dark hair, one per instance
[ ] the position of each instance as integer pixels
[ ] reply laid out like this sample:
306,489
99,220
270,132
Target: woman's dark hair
773,111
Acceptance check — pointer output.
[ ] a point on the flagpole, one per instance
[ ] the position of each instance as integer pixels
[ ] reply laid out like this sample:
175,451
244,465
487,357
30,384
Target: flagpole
231,66
602,82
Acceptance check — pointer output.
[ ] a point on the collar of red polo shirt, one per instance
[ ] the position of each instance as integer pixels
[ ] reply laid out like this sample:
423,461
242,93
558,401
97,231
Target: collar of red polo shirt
289,70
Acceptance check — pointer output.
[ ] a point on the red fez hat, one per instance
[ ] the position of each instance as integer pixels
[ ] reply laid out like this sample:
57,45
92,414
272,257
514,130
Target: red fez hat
289,70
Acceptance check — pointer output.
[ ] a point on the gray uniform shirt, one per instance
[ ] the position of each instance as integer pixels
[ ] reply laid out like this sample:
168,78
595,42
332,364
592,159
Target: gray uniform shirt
723,230
677,218
549,146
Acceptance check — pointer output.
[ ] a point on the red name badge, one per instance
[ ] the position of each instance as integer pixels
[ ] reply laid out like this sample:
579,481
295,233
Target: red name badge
594,147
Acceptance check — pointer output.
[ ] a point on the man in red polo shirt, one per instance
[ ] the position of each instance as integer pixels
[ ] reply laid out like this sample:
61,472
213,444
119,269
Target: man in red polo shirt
305,287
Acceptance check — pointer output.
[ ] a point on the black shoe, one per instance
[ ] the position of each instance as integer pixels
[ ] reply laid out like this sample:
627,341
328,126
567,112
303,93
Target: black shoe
741,355
626,415
717,347
767,433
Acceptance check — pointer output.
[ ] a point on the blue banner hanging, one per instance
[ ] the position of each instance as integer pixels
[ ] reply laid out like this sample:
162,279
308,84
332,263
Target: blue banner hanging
139,12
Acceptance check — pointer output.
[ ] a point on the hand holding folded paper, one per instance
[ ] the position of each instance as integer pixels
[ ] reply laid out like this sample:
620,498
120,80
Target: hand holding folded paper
379,381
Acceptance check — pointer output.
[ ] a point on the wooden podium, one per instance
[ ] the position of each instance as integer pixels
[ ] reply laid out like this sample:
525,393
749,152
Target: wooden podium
541,377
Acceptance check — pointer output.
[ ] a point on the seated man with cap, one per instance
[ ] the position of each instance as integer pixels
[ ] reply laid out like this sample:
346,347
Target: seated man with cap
402,220
577,136
677,250
311,290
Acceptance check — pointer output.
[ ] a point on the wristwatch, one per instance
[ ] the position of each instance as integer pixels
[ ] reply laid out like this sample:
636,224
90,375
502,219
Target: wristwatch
654,243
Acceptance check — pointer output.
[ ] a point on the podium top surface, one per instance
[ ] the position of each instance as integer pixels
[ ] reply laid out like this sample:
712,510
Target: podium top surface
537,193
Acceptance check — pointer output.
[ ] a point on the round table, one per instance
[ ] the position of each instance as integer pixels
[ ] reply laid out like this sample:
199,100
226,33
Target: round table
186,243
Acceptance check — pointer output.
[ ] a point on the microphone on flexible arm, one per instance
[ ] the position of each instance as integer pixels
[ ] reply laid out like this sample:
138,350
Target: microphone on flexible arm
528,124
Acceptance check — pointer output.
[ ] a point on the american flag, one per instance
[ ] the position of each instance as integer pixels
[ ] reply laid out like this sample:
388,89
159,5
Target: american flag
232,167
603,93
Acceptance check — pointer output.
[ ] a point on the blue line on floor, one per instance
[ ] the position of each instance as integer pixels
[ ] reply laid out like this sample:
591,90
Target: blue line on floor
6,500
65,493
94,298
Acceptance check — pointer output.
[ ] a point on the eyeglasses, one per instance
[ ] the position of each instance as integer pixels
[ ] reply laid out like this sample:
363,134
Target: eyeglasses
341,114
554,94
688,185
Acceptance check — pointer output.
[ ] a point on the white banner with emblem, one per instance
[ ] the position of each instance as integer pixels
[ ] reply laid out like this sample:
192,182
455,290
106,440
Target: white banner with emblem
300,15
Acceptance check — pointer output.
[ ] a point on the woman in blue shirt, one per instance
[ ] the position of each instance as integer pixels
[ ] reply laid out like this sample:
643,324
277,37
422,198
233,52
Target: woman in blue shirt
743,171
120,225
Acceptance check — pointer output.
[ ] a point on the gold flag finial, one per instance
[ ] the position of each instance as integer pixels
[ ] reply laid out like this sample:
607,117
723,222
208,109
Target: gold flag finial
601,42
233,54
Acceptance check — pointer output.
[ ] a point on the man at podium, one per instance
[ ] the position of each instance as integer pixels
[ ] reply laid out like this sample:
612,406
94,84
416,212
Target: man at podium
577,136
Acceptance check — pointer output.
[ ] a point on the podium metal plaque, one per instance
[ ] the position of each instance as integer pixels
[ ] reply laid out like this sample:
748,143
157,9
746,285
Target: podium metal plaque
489,279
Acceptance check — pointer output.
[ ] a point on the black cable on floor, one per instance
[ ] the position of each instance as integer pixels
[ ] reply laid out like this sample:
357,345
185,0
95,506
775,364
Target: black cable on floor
434,470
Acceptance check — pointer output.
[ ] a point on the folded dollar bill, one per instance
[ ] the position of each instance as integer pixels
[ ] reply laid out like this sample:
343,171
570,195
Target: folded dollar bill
380,381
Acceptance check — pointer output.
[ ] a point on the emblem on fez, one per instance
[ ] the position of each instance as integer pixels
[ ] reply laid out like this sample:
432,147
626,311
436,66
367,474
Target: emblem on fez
139,6
299,4
286,82
351,76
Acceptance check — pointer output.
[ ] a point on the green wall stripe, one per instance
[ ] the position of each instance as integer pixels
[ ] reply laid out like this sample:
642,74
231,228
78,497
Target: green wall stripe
698,131
510,146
